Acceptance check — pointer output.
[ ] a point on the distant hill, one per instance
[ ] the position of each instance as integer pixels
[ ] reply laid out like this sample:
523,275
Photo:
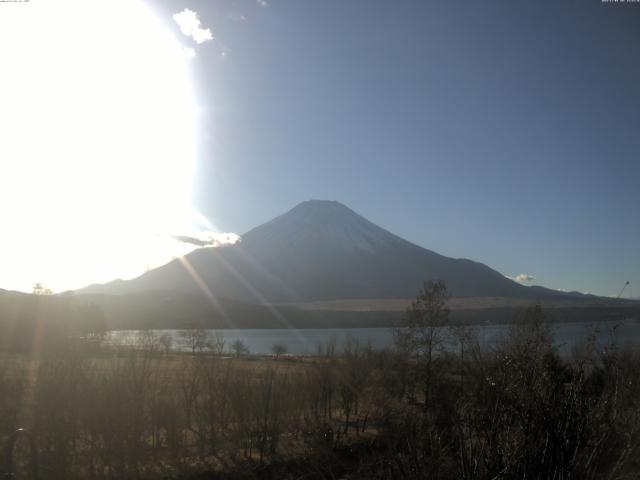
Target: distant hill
68,313
320,251
29,321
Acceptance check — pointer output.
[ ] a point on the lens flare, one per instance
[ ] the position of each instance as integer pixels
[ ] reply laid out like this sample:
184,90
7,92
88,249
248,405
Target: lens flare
97,119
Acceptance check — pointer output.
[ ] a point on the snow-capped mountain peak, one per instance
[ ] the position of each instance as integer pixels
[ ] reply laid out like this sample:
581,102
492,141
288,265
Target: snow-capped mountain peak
323,221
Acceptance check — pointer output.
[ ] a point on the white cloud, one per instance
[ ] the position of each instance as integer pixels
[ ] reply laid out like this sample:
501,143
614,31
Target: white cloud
210,239
189,23
523,277
189,52
262,3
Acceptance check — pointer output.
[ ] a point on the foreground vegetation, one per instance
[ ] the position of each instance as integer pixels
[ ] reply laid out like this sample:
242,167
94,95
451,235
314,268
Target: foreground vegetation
437,406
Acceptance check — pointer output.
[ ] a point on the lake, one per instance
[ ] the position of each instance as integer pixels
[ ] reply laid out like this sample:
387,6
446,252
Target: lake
306,341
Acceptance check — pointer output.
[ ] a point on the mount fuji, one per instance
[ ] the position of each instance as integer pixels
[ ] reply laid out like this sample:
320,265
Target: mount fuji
321,251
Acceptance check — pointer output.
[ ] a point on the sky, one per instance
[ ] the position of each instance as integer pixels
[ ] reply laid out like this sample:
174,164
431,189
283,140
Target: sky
504,132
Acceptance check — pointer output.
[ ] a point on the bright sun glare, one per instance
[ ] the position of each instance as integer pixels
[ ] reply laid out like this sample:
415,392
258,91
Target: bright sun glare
97,126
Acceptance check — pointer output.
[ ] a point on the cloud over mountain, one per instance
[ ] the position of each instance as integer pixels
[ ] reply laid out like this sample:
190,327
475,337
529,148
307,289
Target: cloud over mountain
523,277
209,239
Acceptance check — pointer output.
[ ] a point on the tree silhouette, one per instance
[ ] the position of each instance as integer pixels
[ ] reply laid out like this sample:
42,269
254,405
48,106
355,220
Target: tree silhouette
425,332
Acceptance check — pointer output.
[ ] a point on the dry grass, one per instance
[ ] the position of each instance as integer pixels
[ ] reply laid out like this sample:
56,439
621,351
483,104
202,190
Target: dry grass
514,410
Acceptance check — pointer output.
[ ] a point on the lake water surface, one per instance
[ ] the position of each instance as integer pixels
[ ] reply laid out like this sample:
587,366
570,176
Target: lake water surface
306,341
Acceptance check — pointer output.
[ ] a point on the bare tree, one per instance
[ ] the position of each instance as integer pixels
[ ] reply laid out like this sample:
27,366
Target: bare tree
166,341
279,349
195,338
41,289
239,348
148,342
216,344
425,331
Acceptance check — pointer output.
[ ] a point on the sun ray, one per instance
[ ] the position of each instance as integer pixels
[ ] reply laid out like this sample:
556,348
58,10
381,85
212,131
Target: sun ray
213,299
263,301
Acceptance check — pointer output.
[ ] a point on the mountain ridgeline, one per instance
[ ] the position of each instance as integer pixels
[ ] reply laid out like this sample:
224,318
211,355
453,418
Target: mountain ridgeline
319,251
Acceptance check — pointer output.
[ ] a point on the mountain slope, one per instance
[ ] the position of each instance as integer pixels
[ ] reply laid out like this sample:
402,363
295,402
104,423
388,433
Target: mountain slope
320,250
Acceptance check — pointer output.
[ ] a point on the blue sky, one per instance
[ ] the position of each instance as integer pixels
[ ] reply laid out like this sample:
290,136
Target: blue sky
504,132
